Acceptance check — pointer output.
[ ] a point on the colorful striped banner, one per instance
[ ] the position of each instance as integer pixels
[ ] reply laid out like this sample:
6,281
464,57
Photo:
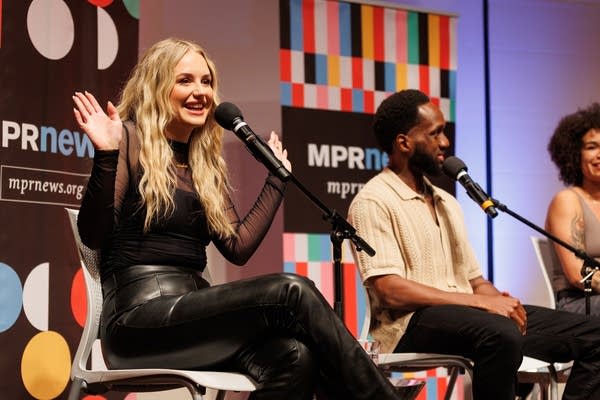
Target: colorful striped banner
345,56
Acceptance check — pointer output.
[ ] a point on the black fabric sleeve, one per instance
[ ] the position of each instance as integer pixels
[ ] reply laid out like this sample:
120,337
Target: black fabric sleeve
104,194
252,230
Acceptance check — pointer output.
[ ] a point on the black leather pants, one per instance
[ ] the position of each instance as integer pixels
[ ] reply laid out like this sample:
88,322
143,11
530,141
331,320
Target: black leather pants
276,328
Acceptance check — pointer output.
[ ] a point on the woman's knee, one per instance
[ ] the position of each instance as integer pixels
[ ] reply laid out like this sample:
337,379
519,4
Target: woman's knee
286,359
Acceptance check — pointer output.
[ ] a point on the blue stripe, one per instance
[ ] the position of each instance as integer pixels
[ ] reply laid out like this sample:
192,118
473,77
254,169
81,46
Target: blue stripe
345,35
390,77
296,31
452,83
358,103
321,67
289,267
361,302
286,93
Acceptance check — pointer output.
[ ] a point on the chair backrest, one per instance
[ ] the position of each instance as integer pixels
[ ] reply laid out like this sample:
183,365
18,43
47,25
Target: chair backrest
90,264
366,324
543,252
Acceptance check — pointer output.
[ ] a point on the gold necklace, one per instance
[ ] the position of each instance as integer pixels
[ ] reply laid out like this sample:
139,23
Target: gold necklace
181,165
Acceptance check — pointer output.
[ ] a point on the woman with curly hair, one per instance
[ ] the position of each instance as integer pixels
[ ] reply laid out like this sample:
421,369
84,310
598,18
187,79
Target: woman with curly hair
158,195
574,213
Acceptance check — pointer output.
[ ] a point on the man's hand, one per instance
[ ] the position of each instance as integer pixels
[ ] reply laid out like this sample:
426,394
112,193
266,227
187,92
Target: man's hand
507,306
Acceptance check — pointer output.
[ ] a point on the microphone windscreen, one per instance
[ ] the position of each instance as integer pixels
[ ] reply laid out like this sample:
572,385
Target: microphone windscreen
452,166
226,113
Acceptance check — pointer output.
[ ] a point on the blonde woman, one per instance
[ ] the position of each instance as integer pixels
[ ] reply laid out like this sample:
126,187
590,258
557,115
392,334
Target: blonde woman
157,196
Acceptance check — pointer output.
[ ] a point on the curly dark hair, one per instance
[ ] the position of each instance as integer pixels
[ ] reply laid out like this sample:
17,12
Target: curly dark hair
397,114
565,144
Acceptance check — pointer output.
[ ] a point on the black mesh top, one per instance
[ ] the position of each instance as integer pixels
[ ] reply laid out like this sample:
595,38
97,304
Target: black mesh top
110,218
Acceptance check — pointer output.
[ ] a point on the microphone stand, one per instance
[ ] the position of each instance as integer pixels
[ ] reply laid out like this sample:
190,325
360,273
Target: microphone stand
340,230
590,265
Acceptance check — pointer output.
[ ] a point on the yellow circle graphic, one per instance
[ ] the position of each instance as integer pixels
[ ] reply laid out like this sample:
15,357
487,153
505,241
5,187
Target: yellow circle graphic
46,365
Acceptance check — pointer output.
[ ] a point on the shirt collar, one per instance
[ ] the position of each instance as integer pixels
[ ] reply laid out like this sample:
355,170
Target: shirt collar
403,190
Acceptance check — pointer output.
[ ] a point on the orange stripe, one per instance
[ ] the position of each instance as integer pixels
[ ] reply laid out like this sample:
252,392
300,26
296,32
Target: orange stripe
433,27
367,31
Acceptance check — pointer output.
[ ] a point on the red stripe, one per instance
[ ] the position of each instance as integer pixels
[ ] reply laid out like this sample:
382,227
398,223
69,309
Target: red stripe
285,65
444,42
442,384
308,20
369,99
297,95
357,73
302,268
424,78
350,308
346,99
378,34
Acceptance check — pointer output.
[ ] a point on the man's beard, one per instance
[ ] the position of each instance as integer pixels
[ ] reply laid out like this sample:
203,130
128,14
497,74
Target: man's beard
424,163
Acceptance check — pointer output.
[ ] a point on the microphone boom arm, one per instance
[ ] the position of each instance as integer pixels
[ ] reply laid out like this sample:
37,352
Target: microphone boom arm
590,265
340,229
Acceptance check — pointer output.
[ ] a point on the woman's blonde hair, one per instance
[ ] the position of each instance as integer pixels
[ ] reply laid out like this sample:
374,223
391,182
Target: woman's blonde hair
145,100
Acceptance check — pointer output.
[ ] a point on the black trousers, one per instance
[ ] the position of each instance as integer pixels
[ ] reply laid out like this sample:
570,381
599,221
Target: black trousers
276,328
496,346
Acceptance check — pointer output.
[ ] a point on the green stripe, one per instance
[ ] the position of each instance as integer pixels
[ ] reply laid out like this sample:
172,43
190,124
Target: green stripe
413,37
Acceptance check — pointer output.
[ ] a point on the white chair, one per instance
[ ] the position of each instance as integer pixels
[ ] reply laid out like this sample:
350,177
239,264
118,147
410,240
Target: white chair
531,370
98,379
410,362
550,375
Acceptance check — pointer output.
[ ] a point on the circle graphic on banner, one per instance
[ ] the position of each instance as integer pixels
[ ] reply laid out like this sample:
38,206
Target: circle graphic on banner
133,8
51,37
11,297
108,39
36,298
100,3
78,298
46,365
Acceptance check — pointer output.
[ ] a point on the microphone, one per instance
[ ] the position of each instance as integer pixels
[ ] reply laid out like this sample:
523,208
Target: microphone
229,116
456,169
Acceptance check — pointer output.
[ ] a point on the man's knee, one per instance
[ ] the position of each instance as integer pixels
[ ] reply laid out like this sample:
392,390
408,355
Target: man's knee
506,340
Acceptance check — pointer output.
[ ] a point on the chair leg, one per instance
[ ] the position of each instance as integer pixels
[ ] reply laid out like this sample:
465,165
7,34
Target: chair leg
543,391
75,389
451,382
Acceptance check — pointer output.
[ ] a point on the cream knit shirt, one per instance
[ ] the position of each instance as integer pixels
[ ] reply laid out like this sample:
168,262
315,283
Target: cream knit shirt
397,222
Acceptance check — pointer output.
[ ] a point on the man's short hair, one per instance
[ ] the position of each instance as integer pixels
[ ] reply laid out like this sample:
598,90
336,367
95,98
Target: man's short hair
397,114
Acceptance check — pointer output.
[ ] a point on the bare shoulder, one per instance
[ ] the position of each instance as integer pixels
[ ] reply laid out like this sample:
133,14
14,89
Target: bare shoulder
565,198
564,205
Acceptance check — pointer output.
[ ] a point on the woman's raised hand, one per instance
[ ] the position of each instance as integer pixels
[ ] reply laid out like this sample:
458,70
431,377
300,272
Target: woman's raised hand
280,153
104,129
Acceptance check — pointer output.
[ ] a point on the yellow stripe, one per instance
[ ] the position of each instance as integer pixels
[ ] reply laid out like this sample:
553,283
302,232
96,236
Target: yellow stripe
333,70
401,77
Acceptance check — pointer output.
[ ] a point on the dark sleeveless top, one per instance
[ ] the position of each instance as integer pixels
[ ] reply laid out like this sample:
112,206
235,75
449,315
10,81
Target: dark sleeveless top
111,219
